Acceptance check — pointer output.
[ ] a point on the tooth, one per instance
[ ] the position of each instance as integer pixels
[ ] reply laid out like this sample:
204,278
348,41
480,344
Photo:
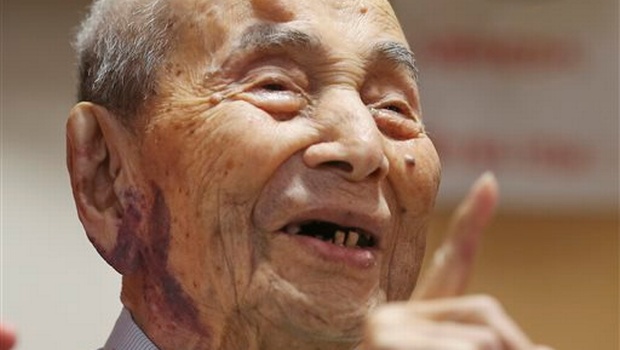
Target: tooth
339,237
293,229
352,239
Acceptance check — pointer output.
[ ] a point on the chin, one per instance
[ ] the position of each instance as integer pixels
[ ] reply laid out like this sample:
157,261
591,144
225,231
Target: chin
321,309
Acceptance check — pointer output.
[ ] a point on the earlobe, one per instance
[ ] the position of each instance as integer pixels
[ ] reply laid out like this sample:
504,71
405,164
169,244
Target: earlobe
96,147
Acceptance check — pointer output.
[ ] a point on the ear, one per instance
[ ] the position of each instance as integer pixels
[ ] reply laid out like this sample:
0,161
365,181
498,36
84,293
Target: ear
99,163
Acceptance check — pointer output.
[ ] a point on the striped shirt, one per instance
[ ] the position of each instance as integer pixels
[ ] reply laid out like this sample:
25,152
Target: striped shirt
126,335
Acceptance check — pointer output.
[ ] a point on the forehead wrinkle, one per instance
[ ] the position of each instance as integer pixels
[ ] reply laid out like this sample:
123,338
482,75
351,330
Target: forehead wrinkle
269,36
273,10
397,54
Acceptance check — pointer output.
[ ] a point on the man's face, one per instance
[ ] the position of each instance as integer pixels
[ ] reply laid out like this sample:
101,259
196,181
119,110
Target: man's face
290,174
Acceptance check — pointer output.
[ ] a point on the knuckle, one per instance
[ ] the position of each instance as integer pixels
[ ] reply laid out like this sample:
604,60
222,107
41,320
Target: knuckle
387,314
488,340
487,303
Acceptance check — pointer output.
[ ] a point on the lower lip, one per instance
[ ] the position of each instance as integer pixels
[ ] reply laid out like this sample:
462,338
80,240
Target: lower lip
354,257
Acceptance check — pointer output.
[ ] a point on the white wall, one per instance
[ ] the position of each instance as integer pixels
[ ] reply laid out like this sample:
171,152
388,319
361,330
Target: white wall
55,288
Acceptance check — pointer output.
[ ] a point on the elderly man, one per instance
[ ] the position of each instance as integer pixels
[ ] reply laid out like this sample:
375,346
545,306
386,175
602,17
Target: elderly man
258,172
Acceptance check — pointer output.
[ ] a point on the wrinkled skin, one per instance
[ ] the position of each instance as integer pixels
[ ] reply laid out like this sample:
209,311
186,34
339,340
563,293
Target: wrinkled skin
241,141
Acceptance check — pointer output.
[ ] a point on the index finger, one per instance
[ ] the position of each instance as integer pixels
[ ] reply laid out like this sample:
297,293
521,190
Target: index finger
452,264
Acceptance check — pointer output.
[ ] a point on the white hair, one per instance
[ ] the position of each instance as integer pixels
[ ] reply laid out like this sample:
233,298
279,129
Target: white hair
121,45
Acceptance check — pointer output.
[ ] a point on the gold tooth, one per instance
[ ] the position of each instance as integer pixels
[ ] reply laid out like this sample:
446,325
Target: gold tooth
352,239
339,237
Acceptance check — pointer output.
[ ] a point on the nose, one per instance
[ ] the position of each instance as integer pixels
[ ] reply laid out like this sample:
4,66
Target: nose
351,144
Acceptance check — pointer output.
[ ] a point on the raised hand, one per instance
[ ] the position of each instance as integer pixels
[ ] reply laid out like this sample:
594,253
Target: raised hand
438,316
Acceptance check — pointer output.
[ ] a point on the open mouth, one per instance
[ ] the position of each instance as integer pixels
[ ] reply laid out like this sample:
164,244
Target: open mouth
350,237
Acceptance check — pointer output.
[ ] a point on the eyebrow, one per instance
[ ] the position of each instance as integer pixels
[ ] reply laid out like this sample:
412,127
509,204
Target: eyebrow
265,36
397,54
270,36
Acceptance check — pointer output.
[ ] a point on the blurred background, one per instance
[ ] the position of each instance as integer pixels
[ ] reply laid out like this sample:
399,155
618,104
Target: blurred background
528,89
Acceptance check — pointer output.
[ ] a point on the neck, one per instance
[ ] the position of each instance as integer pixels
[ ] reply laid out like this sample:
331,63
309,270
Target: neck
166,326
255,332
234,330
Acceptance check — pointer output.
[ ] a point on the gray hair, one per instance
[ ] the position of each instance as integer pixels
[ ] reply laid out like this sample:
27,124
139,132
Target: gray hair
121,46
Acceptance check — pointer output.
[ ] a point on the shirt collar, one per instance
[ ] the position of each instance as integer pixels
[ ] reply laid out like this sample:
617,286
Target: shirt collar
126,335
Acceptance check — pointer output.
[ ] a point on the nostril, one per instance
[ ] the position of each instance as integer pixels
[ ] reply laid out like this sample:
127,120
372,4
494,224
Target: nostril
381,170
338,164
354,162
376,174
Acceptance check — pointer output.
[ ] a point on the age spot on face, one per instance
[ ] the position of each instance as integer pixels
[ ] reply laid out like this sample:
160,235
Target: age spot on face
410,161
176,300
124,255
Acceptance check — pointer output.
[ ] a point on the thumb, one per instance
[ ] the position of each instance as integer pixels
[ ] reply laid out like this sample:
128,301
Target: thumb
452,265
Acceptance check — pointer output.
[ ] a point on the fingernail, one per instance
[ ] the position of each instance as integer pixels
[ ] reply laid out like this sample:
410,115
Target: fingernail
486,179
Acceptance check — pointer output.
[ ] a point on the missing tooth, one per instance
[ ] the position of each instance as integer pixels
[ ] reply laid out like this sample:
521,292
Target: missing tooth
350,237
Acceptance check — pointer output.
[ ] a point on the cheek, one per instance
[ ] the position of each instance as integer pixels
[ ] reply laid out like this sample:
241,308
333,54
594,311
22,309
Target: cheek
406,263
415,172
207,152
414,187
164,288
211,167
220,158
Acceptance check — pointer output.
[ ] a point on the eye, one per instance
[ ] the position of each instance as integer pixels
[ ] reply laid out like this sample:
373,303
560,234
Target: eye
275,84
273,87
397,120
397,107
277,95
394,108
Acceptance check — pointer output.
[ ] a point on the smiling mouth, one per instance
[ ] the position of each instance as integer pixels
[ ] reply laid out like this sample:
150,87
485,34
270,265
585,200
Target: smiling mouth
349,237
